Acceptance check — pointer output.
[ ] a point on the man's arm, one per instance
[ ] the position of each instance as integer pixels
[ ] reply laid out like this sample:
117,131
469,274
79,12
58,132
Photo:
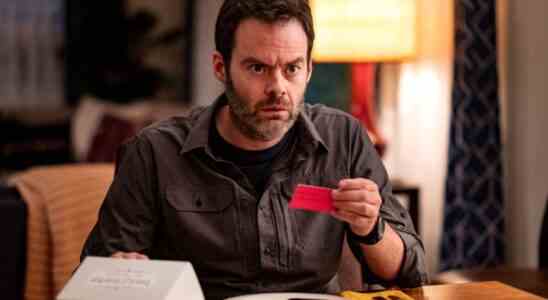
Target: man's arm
412,270
358,202
127,218
385,258
398,258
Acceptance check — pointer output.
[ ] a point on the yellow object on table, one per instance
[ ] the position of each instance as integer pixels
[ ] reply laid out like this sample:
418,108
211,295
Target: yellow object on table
384,295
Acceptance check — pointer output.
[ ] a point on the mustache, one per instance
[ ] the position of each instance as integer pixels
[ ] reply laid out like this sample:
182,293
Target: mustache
280,102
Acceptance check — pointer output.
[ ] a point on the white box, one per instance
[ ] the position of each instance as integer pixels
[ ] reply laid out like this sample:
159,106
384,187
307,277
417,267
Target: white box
101,278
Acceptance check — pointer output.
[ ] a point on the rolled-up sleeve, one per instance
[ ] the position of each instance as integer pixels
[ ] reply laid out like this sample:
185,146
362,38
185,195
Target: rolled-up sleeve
127,218
366,163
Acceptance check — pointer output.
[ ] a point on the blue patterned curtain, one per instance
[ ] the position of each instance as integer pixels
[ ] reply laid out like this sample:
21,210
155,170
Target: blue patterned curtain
31,70
473,229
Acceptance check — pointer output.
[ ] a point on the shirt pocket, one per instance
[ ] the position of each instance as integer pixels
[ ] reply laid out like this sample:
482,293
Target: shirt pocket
205,223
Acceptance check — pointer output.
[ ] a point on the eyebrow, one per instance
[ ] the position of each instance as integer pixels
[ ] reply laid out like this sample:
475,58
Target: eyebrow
252,60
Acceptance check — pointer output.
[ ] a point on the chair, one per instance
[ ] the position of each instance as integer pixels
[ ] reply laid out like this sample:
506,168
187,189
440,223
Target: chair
531,280
61,208
350,272
543,240
13,229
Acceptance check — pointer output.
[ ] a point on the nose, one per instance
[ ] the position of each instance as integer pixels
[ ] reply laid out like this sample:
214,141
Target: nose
276,85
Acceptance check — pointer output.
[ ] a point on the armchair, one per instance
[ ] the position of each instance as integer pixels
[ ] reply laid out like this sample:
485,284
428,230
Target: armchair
61,207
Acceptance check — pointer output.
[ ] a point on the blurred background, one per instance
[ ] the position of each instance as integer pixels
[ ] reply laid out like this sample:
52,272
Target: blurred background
77,78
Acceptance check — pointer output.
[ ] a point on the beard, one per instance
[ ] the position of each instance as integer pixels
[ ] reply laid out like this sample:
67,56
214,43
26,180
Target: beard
246,118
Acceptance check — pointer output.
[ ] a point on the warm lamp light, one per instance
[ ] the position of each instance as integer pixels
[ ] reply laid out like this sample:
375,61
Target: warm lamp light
364,32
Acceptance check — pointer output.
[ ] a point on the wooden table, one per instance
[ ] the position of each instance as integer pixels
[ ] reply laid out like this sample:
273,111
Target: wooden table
488,290
534,281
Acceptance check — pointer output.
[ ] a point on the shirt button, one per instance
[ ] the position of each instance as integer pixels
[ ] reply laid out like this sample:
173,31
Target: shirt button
267,251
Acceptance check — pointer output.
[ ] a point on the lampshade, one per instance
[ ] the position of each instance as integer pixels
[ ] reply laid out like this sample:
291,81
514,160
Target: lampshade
364,30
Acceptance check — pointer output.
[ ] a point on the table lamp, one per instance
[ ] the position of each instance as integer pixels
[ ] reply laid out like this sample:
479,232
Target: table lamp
363,33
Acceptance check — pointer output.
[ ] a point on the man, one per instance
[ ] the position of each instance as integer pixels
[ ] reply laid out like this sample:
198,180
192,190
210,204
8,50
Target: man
213,188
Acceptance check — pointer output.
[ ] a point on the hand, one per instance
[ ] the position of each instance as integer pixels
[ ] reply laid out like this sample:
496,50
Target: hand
129,255
357,201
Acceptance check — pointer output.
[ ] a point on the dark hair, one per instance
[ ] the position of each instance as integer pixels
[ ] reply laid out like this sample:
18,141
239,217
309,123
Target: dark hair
233,12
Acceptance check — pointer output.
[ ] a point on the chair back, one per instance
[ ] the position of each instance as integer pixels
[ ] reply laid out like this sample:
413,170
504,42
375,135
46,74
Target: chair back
62,204
543,240
350,272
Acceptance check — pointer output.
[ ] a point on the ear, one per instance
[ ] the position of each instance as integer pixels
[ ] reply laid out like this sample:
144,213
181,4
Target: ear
310,68
219,67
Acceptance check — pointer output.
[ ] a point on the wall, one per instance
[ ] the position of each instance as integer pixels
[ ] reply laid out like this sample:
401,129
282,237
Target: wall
527,176
206,86
420,126
418,131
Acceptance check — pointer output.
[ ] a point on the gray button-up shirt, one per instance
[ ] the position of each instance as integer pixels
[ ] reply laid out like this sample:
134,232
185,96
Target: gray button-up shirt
171,198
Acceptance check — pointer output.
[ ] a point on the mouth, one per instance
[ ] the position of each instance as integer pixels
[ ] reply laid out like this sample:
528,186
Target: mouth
274,109
274,112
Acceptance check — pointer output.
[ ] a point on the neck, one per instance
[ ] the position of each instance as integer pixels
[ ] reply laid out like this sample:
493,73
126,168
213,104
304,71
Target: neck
227,129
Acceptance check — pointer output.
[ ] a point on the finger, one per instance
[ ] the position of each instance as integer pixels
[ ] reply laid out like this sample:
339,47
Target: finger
134,255
358,183
129,255
360,208
361,195
351,218
137,255
348,195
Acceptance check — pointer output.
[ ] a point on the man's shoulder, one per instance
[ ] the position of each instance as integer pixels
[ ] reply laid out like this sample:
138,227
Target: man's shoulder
175,128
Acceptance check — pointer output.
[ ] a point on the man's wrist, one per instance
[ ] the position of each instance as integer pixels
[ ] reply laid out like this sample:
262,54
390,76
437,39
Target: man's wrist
373,237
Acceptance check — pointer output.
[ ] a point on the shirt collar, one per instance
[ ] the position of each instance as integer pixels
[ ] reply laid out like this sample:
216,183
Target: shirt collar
308,132
198,136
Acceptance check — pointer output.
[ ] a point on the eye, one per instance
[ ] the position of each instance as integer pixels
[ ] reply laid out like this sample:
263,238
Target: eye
292,69
257,68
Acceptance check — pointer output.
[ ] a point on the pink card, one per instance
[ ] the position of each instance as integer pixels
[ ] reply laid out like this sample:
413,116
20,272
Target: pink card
314,198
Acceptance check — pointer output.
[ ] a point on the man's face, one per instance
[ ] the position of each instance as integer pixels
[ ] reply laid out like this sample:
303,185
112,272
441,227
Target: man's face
267,78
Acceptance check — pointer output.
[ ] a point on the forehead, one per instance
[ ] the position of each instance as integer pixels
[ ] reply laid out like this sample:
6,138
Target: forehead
270,41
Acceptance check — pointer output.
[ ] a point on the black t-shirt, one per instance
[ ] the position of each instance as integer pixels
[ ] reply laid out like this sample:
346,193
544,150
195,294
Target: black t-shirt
256,165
